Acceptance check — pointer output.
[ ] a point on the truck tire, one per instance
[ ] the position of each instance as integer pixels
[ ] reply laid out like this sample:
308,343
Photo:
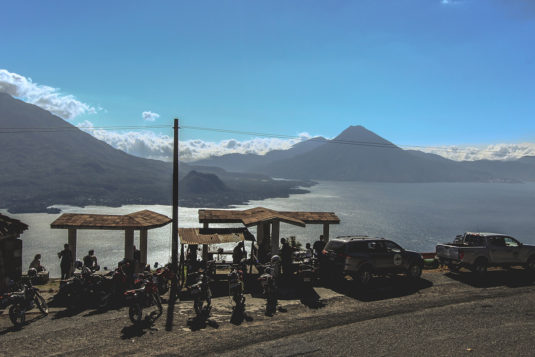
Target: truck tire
530,265
414,272
480,266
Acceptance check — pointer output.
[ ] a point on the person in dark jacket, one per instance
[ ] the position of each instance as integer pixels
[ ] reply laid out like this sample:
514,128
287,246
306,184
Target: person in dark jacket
237,253
318,246
90,260
286,258
66,262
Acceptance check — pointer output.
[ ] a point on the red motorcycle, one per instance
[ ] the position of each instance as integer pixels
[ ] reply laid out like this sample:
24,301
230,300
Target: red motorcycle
145,296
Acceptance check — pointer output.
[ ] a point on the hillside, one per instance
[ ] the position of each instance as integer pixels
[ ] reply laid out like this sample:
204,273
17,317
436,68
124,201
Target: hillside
64,165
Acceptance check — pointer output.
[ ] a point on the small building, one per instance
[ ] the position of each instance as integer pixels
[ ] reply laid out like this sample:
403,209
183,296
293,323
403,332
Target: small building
10,250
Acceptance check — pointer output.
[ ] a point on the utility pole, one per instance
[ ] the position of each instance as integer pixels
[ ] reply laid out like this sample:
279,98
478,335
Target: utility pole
174,235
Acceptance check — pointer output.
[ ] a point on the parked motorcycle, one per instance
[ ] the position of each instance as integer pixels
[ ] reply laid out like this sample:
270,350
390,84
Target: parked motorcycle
199,290
85,288
236,288
163,276
24,300
268,281
145,296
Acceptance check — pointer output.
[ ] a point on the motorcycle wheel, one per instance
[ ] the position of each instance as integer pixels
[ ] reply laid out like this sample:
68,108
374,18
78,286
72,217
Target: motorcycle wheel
135,312
158,303
163,287
41,303
17,315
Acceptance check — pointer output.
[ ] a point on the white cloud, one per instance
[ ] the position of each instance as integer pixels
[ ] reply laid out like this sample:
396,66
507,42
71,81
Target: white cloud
48,98
150,116
488,152
160,147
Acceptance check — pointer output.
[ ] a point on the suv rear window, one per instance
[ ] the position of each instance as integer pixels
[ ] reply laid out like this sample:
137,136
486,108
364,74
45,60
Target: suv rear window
335,246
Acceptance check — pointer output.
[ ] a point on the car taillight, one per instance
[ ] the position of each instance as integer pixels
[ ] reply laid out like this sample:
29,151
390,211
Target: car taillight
324,252
461,254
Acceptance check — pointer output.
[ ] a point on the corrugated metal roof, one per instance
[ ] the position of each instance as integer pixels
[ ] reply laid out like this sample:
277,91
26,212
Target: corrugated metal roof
143,219
11,226
257,215
213,235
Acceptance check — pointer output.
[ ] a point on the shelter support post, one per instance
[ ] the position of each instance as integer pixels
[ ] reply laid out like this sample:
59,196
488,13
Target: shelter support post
143,246
205,225
205,252
129,244
275,232
72,242
326,232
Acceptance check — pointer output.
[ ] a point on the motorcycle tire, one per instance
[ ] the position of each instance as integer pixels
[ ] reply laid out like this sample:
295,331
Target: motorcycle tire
17,315
135,313
163,287
41,303
157,301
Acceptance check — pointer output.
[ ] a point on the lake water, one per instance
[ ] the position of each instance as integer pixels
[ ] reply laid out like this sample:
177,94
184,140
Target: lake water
417,216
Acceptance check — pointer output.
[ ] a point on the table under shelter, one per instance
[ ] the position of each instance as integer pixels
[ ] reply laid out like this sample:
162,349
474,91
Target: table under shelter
268,221
142,221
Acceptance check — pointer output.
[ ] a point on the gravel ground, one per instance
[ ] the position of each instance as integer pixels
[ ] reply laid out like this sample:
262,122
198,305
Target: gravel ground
442,314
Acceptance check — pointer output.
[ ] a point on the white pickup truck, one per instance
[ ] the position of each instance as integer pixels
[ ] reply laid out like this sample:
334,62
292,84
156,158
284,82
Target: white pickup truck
477,251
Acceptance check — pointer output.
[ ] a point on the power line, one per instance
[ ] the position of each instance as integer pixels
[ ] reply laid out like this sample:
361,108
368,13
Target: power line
237,132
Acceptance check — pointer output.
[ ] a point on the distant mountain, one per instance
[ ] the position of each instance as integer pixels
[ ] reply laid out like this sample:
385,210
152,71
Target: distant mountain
358,154
252,162
201,183
45,161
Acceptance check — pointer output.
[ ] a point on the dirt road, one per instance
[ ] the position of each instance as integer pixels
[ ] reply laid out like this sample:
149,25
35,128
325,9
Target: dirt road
443,314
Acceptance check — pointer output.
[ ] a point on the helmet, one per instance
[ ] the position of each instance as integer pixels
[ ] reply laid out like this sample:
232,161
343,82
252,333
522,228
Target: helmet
32,273
275,259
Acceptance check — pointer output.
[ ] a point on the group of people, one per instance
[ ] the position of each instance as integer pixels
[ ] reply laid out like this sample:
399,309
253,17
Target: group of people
66,262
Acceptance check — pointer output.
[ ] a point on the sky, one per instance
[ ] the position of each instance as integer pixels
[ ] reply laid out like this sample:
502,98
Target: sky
455,77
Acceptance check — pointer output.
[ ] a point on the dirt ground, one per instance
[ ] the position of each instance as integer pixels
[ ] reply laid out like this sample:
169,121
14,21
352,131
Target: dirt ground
312,314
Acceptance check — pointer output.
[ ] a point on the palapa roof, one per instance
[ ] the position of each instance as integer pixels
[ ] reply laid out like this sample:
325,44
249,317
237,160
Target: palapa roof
138,220
10,227
213,235
254,216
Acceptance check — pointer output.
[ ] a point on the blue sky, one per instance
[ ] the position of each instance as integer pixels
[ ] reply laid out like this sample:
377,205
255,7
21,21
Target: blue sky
426,72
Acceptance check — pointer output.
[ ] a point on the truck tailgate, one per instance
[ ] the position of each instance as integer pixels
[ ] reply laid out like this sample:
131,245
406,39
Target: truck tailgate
447,251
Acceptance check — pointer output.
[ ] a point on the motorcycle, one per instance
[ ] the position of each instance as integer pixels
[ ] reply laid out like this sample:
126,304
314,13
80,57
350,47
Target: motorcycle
269,285
200,291
85,288
24,300
145,296
235,281
163,276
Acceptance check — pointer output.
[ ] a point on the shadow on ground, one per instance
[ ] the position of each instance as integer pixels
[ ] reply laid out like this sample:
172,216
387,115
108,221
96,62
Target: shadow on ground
380,288
27,322
512,278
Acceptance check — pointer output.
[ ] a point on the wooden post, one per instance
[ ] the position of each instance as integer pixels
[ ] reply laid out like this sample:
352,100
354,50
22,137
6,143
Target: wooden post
326,232
275,229
143,246
129,244
72,244
259,234
205,225
174,234
205,252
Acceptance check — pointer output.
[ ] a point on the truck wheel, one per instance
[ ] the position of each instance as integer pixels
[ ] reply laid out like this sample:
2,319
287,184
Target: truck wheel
480,267
531,264
414,272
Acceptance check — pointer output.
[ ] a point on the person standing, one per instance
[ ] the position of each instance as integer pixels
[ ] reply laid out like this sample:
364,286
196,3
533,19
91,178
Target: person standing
286,258
319,245
66,262
238,253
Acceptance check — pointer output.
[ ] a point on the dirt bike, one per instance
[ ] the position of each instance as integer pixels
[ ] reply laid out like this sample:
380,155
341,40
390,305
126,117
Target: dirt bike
236,287
24,300
163,276
269,288
145,296
199,290
86,288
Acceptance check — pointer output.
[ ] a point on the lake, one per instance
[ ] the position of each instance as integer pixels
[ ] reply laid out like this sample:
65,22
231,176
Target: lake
415,215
